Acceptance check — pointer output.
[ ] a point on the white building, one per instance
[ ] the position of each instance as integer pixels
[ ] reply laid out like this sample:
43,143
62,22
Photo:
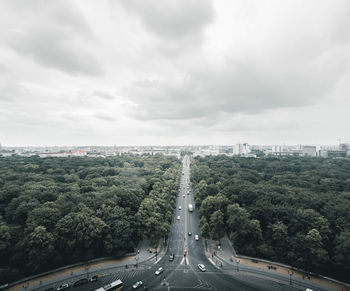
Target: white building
241,149
309,151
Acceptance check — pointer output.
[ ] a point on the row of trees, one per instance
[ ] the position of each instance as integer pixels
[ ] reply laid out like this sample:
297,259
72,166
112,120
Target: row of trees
57,211
292,210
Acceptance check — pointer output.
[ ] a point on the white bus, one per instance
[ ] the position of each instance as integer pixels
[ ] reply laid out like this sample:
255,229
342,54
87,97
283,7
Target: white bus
114,286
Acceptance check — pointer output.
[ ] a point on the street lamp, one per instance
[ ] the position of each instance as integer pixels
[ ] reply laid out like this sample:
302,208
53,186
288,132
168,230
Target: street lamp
290,273
87,267
237,262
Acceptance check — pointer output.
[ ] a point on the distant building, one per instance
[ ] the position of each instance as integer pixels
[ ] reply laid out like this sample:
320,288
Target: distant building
335,154
309,151
277,148
241,149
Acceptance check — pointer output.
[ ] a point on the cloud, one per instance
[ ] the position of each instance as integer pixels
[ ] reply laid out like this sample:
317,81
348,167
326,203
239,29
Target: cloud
235,86
105,117
178,25
104,95
56,36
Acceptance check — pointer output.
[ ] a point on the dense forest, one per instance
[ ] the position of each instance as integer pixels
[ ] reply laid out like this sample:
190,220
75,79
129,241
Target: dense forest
291,210
58,211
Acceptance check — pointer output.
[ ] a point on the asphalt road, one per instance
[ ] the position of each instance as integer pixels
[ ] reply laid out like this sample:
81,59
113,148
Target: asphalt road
182,273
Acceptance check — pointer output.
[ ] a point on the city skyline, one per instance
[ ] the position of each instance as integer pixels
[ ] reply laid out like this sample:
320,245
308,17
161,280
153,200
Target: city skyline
125,73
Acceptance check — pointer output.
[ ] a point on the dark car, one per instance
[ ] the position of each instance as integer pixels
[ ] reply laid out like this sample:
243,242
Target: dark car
94,278
62,287
81,282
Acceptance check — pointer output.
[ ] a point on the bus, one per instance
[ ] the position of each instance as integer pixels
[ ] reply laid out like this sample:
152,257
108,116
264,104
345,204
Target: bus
113,286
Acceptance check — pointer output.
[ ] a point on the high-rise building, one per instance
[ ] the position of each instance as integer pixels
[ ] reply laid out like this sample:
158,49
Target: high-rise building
309,151
241,149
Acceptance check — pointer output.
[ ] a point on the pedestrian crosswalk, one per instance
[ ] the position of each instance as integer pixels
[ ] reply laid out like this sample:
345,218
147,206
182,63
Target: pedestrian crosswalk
202,285
125,275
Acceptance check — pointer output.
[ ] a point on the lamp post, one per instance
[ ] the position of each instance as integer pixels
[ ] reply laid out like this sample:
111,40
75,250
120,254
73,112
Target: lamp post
290,273
237,262
137,259
87,267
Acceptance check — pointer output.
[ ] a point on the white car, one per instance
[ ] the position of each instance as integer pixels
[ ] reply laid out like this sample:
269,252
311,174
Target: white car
201,267
137,285
159,271
196,237
178,218
62,287
180,207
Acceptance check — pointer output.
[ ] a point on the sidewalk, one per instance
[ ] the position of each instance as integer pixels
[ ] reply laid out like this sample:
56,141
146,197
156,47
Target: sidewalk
225,255
143,253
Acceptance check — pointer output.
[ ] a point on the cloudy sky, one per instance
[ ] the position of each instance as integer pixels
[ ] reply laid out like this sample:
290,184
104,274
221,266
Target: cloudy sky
134,72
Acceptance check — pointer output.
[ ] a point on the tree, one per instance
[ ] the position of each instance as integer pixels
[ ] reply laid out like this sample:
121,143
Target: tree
317,255
216,224
5,237
204,226
342,248
40,247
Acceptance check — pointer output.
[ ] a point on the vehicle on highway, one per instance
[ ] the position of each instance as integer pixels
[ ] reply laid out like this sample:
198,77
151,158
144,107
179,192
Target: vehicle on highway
81,282
190,207
180,207
189,233
196,237
159,271
178,218
95,278
183,196
201,267
62,287
114,286
308,289
138,284
171,258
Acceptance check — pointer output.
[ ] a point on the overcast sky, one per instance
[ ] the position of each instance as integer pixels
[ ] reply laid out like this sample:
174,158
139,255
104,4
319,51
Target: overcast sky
134,72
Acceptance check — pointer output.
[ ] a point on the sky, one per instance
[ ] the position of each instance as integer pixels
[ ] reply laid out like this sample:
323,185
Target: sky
165,72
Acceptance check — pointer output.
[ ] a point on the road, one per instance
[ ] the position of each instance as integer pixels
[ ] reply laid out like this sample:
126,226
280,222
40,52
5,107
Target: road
185,275
182,273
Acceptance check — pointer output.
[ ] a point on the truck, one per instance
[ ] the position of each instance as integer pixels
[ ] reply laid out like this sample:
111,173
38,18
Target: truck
190,207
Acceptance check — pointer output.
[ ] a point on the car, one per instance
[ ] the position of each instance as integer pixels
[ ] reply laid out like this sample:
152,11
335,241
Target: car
189,233
201,267
159,271
171,258
95,278
178,218
196,237
81,282
62,287
137,285
183,196
50,289
180,207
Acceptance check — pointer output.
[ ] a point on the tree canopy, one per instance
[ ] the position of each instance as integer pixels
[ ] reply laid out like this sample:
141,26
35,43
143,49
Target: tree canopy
292,210
58,211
